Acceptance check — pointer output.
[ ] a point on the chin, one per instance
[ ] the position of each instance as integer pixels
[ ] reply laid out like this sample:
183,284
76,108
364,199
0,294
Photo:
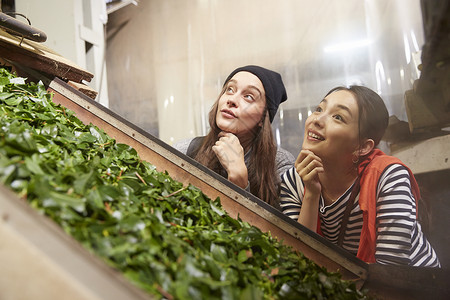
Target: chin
227,128
306,145
311,148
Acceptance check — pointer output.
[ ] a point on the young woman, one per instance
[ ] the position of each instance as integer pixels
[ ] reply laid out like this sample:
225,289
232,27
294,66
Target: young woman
350,192
240,145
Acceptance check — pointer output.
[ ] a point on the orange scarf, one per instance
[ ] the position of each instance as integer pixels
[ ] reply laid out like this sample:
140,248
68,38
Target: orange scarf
370,170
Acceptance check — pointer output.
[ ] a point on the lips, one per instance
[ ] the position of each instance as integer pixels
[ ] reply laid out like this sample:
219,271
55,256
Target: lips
315,136
228,113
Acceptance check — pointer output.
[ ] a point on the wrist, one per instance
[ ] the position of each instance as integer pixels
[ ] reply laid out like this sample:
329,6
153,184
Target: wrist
311,197
239,177
239,180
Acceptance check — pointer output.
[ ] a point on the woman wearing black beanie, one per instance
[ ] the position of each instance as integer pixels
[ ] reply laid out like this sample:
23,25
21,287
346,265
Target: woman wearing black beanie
240,144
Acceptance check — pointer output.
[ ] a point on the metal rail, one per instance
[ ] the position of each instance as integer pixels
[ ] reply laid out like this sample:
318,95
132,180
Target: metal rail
16,27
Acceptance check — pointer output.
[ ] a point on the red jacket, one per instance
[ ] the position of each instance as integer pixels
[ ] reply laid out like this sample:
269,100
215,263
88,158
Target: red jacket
370,170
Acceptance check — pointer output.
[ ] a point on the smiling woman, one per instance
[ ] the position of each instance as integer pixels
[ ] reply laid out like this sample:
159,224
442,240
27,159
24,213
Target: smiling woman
350,192
240,145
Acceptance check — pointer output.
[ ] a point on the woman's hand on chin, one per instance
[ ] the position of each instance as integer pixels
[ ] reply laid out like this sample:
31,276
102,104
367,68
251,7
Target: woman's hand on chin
308,167
230,153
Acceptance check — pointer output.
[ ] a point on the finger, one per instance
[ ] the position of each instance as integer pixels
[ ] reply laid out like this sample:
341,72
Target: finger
223,157
220,153
225,134
303,159
313,175
308,166
304,154
301,156
230,142
217,148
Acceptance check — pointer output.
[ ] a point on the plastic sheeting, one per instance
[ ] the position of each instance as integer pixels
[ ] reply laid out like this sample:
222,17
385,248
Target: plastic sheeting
167,59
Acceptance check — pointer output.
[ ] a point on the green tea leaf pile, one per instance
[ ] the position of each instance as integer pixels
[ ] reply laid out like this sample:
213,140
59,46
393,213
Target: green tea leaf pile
170,240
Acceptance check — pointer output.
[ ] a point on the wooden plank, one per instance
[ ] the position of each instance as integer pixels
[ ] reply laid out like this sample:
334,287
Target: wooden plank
88,91
427,155
41,58
40,261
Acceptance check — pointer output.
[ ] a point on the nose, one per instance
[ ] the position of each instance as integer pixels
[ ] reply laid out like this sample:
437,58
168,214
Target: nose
231,101
318,119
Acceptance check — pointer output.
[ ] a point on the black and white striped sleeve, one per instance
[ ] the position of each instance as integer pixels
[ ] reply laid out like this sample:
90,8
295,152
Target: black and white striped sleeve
400,239
291,193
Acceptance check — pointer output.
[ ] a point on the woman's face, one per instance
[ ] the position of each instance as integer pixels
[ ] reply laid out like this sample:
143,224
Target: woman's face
331,131
241,106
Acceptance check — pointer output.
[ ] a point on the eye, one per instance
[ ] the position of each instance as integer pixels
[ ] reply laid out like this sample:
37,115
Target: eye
230,90
338,117
249,97
318,109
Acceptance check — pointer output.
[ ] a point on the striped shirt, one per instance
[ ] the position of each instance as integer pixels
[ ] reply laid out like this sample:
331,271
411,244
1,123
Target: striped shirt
400,240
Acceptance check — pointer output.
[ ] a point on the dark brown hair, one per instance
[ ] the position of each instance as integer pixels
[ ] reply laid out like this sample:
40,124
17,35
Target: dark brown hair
261,167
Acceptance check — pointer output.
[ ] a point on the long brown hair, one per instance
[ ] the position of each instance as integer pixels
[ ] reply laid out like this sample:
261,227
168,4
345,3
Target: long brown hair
261,168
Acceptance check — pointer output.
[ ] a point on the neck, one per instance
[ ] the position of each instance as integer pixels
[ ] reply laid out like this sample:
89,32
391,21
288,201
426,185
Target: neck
335,180
246,142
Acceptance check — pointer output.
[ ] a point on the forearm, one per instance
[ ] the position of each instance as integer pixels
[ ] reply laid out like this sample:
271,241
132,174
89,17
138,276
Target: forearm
309,212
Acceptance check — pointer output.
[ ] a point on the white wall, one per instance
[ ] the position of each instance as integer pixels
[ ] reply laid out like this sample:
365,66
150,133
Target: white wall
69,24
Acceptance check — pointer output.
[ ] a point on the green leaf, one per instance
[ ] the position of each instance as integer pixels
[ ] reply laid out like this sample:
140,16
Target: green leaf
18,80
109,193
80,184
131,223
13,101
54,199
7,173
251,293
85,137
101,138
4,96
219,253
50,130
32,163
217,209
3,81
95,199
242,256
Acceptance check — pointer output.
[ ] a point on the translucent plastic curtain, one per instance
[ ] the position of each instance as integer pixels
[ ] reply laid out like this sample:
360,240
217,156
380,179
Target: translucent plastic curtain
187,49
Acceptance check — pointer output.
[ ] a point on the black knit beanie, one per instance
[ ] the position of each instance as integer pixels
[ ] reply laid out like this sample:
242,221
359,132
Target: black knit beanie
273,86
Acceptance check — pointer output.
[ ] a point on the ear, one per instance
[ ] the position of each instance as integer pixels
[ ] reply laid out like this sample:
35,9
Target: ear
366,147
263,119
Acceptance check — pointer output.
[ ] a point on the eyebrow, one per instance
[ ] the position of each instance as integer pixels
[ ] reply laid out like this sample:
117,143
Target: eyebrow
341,107
250,86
